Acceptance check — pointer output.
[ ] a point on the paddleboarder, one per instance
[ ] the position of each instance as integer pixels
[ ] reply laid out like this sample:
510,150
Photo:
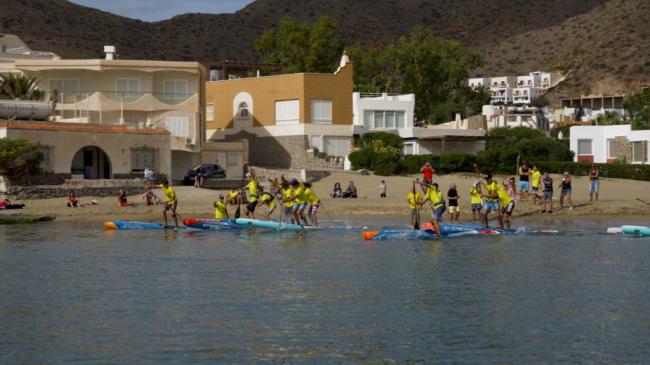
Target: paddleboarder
170,202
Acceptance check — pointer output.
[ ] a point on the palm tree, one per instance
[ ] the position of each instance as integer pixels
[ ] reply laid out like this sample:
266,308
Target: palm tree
20,87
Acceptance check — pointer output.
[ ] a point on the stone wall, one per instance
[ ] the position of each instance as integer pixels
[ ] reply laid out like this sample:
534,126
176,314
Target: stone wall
263,174
47,191
286,152
623,149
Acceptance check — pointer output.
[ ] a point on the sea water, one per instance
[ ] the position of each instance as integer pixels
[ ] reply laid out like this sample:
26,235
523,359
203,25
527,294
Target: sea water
72,293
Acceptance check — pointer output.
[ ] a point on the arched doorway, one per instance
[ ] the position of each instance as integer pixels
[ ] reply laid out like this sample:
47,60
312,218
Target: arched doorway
91,162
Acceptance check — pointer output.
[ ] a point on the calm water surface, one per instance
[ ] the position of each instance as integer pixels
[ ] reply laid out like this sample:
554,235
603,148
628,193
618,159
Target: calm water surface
72,293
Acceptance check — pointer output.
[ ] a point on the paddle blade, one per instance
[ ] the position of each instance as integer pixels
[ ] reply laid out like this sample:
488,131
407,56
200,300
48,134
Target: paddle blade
237,213
110,226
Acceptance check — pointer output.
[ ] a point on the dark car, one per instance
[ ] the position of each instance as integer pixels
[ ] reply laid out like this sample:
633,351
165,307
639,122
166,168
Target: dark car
210,171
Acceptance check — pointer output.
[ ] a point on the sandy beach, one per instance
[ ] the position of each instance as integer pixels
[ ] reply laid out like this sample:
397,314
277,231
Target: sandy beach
618,198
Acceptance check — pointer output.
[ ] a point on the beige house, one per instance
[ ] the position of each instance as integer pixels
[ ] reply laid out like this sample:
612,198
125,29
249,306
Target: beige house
284,117
130,97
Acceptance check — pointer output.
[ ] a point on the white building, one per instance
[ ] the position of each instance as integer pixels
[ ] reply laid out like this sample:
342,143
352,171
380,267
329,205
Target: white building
506,116
394,114
606,144
519,90
478,82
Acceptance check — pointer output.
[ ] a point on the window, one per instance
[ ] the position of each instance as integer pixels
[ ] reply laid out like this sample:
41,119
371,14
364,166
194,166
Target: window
232,158
209,113
368,119
174,91
46,165
399,119
127,89
178,126
336,146
584,147
379,119
637,152
409,148
287,112
389,119
611,149
321,111
142,158
64,87
242,111
316,142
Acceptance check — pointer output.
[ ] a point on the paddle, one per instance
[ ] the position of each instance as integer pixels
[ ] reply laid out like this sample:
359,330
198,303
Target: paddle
643,201
238,212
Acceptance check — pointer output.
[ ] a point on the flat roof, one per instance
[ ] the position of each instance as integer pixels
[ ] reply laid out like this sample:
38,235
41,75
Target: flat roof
104,65
79,127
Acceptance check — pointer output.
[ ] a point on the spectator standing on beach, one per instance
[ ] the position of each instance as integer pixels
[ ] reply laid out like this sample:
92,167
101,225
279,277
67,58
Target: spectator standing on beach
547,183
427,173
382,189
198,179
454,208
565,193
524,179
594,182
536,181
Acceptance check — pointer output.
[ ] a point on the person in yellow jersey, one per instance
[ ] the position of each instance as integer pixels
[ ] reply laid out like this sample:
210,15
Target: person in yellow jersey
434,196
170,202
220,209
314,202
233,197
415,200
491,199
267,199
252,186
475,200
507,206
287,202
536,182
299,203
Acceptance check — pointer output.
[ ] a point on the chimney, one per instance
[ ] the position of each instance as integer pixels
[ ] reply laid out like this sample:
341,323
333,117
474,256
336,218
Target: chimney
344,61
110,52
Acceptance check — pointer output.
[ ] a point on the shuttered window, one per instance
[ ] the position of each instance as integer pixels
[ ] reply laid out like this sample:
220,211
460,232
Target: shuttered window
287,112
142,158
178,126
321,111
336,146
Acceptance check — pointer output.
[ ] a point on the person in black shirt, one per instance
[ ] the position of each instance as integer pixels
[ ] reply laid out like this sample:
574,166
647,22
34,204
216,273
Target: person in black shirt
454,209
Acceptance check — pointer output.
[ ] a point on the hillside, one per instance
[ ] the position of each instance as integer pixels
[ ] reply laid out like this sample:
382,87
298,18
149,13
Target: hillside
507,32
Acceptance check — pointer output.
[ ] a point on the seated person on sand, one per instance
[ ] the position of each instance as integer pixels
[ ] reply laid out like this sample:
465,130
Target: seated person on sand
122,200
73,202
150,198
351,191
337,192
6,204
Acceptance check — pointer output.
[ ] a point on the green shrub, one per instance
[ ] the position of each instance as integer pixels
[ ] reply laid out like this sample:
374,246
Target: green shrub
385,164
501,160
455,162
387,139
361,159
543,149
412,164
19,158
505,137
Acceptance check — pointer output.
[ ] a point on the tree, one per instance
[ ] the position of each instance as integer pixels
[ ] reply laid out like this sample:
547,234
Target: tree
20,86
434,69
369,69
608,118
638,109
539,102
19,158
301,48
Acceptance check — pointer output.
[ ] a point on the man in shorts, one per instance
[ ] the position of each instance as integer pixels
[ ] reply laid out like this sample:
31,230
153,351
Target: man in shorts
252,187
547,183
491,199
507,206
170,202
524,179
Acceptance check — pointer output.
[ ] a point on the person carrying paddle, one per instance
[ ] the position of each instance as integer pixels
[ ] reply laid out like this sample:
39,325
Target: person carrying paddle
434,197
267,199
314,202
491,202
252,187
220,210
415,200
507,206
299,202
170,202
287,202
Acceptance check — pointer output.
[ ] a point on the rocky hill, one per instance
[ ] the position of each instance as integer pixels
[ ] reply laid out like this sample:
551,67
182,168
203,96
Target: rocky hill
598,39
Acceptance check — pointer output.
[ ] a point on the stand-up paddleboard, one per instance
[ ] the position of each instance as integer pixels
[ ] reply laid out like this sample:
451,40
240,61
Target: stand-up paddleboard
122,225
213,224
424,234
257,223
636,230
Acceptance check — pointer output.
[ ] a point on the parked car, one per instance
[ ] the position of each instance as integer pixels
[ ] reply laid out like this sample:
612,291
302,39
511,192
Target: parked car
210,171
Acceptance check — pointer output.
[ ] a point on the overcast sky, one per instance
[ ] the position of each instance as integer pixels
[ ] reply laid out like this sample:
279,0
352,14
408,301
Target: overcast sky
153,10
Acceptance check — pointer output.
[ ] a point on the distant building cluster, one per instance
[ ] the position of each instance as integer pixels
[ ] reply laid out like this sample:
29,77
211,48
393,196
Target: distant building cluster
516,90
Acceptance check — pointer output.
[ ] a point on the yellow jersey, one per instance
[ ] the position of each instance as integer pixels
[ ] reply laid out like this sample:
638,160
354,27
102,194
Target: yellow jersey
537,179
504,198
269,200
287,194
220,211
300,195
252,190
414,199
475,194
492,188
170,194
311,196
435,196
233,195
